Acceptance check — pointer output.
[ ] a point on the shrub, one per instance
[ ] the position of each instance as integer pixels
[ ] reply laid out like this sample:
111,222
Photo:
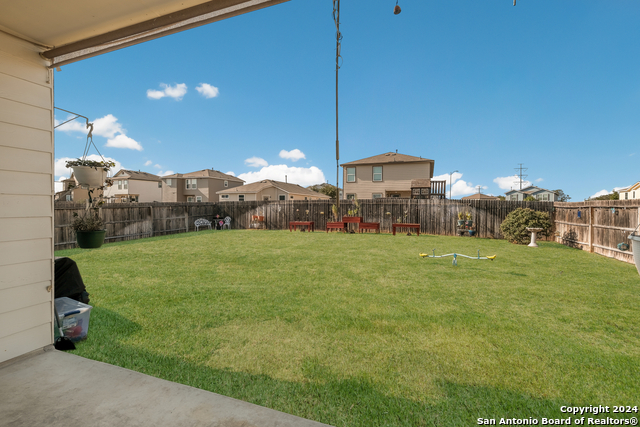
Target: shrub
514,227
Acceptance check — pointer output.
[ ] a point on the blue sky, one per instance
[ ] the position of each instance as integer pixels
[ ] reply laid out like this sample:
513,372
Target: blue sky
478,86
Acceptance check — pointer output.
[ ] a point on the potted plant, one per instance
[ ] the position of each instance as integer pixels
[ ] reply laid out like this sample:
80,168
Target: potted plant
469,221
90,172
472,233
460,219
89,228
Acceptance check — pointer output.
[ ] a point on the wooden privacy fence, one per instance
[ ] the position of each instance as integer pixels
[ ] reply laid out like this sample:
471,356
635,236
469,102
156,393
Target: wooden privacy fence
127,221
598,226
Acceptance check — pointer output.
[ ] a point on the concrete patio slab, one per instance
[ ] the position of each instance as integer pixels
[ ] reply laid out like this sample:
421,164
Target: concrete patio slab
53,388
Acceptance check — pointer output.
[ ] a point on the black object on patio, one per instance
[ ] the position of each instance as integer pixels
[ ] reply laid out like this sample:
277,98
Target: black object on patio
68,281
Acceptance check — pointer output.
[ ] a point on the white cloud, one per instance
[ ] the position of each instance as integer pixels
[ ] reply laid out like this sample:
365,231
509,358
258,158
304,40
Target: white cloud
300,176
539,180
157,166
72,126
509,182
148,162
107,127
62,172
462,188
161,173
232,173
445,177
176,92
601,193
207,90
293,155
123,141
256,162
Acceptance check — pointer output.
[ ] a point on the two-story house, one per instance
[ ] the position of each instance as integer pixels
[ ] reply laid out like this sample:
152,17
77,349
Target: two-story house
134,186
72,192
270,190
391,175
538,193
199,186
631,192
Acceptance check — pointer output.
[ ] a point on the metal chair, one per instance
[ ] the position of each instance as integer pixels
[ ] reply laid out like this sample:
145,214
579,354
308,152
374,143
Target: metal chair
227,223
201,222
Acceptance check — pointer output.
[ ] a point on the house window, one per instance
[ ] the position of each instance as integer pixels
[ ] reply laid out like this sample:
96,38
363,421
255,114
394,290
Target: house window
69,198
377,173
241,197
634,194
351,174
125,184
198,198
191,199
192,184
119,184
224,196
168,181
351,196
626,195
514,197
376,196
160,184
226,183
282,197
305,198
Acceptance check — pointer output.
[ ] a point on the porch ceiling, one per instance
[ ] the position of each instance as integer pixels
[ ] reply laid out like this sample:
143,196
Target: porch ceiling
75,29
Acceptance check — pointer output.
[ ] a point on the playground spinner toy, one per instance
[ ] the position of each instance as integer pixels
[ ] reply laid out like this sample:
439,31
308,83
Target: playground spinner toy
455,256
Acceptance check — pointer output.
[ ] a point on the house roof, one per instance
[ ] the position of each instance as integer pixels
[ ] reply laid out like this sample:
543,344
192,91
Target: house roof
256,187
70,31
420,183
478,196
137,175
205,173
389,157
530,190
635,186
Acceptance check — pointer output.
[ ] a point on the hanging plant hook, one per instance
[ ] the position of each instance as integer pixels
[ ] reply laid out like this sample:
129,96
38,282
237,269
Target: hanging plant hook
397,10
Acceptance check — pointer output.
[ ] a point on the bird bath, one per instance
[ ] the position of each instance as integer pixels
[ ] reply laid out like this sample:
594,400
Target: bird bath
533,231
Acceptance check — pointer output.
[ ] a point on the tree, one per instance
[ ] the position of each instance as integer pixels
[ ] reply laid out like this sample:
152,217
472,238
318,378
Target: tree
514,227
502,198
326,188
529,199
561,197
611,196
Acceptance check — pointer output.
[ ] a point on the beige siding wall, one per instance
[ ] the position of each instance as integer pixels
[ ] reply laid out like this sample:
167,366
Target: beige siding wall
26,199
148,191
216,185
396,178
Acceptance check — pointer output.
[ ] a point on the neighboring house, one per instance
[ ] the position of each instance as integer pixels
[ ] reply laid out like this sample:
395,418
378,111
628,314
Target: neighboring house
270,190
200,186
36,38
480,196
134,186
538,193
73,193
391,175
631,192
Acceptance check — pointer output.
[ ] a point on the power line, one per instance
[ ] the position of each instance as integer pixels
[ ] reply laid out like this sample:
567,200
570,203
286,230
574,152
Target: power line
520,175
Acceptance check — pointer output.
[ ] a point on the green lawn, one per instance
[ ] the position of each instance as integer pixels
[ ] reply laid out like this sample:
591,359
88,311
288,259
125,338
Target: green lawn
358,330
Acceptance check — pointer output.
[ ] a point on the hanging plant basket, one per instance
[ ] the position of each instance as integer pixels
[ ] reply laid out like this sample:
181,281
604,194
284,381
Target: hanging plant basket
90,239
89,176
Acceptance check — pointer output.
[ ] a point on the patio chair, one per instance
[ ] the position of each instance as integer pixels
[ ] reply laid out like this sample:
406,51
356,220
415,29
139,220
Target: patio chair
201,222
227,223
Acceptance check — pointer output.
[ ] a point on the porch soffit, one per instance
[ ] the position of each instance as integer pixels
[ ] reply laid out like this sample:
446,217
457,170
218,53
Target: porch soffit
77,29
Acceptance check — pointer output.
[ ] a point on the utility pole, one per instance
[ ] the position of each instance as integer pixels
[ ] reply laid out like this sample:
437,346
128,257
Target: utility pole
450,174
520,174
336,19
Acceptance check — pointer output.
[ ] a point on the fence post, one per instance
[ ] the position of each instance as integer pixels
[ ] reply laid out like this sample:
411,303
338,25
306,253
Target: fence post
591,229
186,218
152,221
